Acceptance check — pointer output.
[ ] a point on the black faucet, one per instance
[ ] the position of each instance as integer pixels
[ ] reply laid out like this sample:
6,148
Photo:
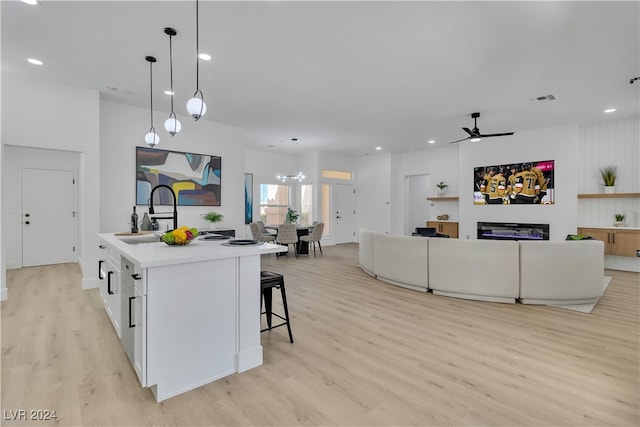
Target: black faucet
175,206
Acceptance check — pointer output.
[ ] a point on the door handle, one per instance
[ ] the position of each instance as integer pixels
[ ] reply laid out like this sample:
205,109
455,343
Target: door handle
100,276
338,217
109,291
131,325
27,222
27,215
136,276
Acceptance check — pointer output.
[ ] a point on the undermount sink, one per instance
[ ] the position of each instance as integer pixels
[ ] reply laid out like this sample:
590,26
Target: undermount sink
143,238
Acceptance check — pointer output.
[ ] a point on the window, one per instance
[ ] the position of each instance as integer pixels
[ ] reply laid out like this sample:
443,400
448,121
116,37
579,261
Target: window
325,208
306,204
274,203
347,176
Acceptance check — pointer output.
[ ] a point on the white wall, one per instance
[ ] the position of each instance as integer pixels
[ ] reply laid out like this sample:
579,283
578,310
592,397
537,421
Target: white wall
559,144
614,142
123,127
40,114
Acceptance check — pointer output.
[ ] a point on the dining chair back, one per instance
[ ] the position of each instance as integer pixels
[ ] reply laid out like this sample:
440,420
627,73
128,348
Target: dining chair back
314,237
257,234
288,235
264,231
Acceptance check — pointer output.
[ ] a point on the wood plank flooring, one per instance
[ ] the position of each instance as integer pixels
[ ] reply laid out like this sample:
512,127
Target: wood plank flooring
366,353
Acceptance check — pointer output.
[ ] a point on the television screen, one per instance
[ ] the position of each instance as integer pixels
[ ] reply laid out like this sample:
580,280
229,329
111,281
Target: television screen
194,178
526,183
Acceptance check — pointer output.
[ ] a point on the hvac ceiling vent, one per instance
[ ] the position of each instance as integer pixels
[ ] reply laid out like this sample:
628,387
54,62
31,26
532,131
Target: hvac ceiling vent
540,99
117,91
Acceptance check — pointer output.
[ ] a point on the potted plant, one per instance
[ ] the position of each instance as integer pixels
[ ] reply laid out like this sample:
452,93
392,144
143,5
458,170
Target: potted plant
619,220
213,217
609,175
441,187
292,216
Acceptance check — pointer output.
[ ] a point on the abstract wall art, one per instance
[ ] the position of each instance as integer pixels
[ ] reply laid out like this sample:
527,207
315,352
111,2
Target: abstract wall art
194,178
248,198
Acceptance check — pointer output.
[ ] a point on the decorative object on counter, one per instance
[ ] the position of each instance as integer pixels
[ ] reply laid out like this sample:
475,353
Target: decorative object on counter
443,217
619,220
196,106
213,217
578,237
151,138
146,223
292,216
441,187
609,175
134,221
172,124
180,237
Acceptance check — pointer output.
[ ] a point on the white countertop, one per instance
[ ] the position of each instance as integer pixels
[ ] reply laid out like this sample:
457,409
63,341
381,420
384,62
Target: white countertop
160,254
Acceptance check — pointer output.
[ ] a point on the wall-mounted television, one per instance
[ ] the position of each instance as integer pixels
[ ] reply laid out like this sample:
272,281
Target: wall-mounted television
194,178
522,183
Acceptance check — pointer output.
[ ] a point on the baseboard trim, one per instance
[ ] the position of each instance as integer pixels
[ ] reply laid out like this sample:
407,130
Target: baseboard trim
91,283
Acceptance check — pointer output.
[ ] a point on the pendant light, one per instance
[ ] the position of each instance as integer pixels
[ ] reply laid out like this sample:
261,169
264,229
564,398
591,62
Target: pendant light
196,106
172,124
151,138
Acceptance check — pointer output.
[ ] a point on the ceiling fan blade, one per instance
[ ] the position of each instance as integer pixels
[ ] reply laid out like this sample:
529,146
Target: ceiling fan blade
496,134
460,140
469,131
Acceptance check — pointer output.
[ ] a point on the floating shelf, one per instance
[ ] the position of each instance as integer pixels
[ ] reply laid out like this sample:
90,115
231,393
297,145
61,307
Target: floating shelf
442,199
608,195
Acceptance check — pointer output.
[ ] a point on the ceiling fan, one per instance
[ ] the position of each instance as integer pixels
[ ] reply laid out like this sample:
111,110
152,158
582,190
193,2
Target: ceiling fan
475,135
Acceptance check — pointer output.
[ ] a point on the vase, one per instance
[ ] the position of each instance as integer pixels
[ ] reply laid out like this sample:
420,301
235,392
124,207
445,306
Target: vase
609,189
440,193
618,224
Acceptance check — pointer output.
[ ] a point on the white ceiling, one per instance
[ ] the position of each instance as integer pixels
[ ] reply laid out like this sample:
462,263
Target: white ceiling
345,76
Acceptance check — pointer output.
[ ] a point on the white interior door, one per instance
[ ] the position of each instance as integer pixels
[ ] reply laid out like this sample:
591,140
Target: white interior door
345,218
48,217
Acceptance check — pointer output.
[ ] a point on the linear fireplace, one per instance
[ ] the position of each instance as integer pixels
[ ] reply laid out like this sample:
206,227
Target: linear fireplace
512,231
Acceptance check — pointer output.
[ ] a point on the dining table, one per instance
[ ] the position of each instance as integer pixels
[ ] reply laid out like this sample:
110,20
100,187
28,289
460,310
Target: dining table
302,230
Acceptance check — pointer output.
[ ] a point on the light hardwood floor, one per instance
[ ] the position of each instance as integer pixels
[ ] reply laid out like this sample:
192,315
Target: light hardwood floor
365,354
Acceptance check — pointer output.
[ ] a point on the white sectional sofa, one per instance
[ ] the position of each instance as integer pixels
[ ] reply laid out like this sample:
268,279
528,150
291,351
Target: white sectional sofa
545,272
568,272
485,270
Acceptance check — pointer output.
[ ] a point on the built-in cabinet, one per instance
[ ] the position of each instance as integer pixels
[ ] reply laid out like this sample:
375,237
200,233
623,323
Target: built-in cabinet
445,227
109,274
617,241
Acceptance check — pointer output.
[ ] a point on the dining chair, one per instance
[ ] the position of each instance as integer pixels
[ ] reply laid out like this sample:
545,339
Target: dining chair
257,234
288,235
265,231
315,236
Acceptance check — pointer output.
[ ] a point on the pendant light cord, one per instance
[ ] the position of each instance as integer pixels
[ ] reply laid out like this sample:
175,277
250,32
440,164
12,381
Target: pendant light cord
171,70
151,90
197,49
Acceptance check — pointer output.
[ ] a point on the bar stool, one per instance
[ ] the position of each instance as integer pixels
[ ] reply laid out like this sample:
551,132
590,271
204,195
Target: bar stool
268,281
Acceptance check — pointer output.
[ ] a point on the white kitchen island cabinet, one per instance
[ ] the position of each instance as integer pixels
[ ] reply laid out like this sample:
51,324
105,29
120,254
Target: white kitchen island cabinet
195,310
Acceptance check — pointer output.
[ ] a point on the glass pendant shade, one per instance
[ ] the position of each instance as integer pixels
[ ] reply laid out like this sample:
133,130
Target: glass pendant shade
196,106
172,125
151,138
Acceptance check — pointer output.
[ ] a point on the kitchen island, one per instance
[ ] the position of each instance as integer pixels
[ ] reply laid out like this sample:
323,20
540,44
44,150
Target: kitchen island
186,315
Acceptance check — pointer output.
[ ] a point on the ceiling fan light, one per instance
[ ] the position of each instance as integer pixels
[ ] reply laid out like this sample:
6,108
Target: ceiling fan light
476,139
196,107
151,138
172,125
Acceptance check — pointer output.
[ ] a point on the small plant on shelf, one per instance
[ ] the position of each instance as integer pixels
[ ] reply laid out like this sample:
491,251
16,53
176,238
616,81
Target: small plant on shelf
441,187
619,217
609,175
213,217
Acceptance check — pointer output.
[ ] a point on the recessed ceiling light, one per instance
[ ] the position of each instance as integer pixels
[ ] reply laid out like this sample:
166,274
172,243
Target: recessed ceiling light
35,61
609,110
168,92
378,148
205,57
31,2
431,141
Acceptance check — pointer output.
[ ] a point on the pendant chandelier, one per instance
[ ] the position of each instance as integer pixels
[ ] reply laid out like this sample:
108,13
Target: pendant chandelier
196,106
172,124
297,177
151,138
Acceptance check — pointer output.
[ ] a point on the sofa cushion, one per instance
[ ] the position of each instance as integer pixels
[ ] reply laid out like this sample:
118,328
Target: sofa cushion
401,260
365,250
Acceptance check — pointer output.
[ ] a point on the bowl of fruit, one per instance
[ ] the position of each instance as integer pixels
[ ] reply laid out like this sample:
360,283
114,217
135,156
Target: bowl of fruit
180,236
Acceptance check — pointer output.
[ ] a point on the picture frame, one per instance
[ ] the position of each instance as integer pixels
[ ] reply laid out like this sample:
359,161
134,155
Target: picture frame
196,179
248,198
